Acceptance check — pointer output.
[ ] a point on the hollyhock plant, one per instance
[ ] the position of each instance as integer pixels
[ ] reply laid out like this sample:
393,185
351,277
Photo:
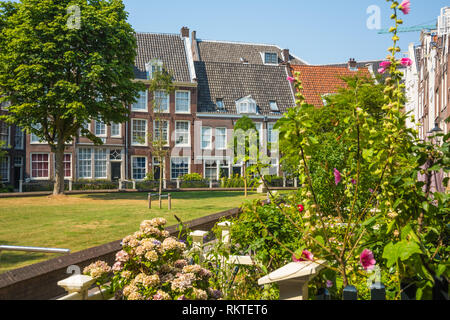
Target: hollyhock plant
406,62
306,256
290,79
337,176
405,6
329,283
367,260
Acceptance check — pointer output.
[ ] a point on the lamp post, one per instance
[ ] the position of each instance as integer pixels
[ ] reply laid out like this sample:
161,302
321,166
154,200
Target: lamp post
435,131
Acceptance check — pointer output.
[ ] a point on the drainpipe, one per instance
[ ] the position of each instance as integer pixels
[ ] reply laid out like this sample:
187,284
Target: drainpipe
126,152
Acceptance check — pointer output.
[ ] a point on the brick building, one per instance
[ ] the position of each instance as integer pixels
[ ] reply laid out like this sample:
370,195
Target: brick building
216,83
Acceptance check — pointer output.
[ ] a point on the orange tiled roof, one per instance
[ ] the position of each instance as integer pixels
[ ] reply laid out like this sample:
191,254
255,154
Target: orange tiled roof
321,80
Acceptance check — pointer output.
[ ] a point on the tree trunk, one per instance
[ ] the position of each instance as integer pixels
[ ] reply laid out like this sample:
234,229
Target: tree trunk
245,180
58,187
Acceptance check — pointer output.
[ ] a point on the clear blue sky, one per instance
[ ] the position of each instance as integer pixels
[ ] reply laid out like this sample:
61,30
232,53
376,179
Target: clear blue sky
320,32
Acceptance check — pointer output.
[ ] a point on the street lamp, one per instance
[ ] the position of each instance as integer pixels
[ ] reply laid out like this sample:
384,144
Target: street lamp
436,130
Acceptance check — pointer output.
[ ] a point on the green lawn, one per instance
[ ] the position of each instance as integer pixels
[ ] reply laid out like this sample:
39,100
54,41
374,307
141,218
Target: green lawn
79,222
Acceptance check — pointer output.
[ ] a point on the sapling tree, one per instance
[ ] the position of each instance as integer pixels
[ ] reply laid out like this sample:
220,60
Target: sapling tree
60,71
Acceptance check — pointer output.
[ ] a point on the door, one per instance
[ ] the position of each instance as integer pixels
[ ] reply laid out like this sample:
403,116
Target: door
17,176
115,171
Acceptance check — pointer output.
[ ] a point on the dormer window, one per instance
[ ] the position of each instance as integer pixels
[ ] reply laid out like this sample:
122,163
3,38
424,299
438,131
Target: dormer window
152,67
246,105
273,106
270,58
219,104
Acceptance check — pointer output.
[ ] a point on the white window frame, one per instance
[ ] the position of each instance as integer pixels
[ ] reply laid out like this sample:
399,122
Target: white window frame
106,152
225,138
269,63
137,144
217,169
133,109
168,131
149,67
189,166
145,167
5,105
270,134
274,103
167,101
22,139
31,166
8,167
119,135
246,105
8,137
202,136
219,102
38,126
91,163
71,166
188,101
96,124
188,134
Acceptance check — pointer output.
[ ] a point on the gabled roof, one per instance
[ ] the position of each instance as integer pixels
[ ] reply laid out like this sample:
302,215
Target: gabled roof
232,81
169,48
374,64
232,52
318,81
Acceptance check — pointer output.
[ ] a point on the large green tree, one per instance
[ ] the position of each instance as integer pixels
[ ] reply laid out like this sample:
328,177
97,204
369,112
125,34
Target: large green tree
64,63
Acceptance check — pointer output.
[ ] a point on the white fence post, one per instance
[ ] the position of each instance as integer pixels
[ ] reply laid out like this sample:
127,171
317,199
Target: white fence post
165,184
225,227
70,185
178,183
77,286
210,183
20,186
293,279
197,241
295,182
134,185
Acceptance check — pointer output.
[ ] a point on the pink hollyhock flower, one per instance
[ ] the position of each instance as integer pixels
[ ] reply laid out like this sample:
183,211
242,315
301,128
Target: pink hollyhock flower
370,190
353,181
306,256
290,79
366,259
385,64
381,70
337,176
406,62
405,6
329,284
301,208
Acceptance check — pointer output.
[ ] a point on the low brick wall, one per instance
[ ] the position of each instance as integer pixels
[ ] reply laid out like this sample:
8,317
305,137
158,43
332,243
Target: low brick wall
39,281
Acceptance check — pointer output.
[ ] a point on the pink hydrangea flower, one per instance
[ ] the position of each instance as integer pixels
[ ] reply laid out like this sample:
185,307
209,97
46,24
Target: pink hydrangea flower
118,266
122,256
367,260
405,6
337,176
306,256
406,62
290,79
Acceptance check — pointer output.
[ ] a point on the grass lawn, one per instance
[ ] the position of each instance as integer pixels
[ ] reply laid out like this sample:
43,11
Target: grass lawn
79,222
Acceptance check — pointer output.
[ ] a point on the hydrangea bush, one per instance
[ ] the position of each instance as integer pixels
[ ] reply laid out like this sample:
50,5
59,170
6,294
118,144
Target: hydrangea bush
152,265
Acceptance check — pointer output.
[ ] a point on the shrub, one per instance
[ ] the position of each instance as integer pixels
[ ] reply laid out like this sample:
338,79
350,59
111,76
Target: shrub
191,177
153,266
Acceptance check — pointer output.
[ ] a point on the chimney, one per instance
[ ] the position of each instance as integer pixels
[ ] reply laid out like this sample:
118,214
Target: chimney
185,32
194,35
286,55
352,66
